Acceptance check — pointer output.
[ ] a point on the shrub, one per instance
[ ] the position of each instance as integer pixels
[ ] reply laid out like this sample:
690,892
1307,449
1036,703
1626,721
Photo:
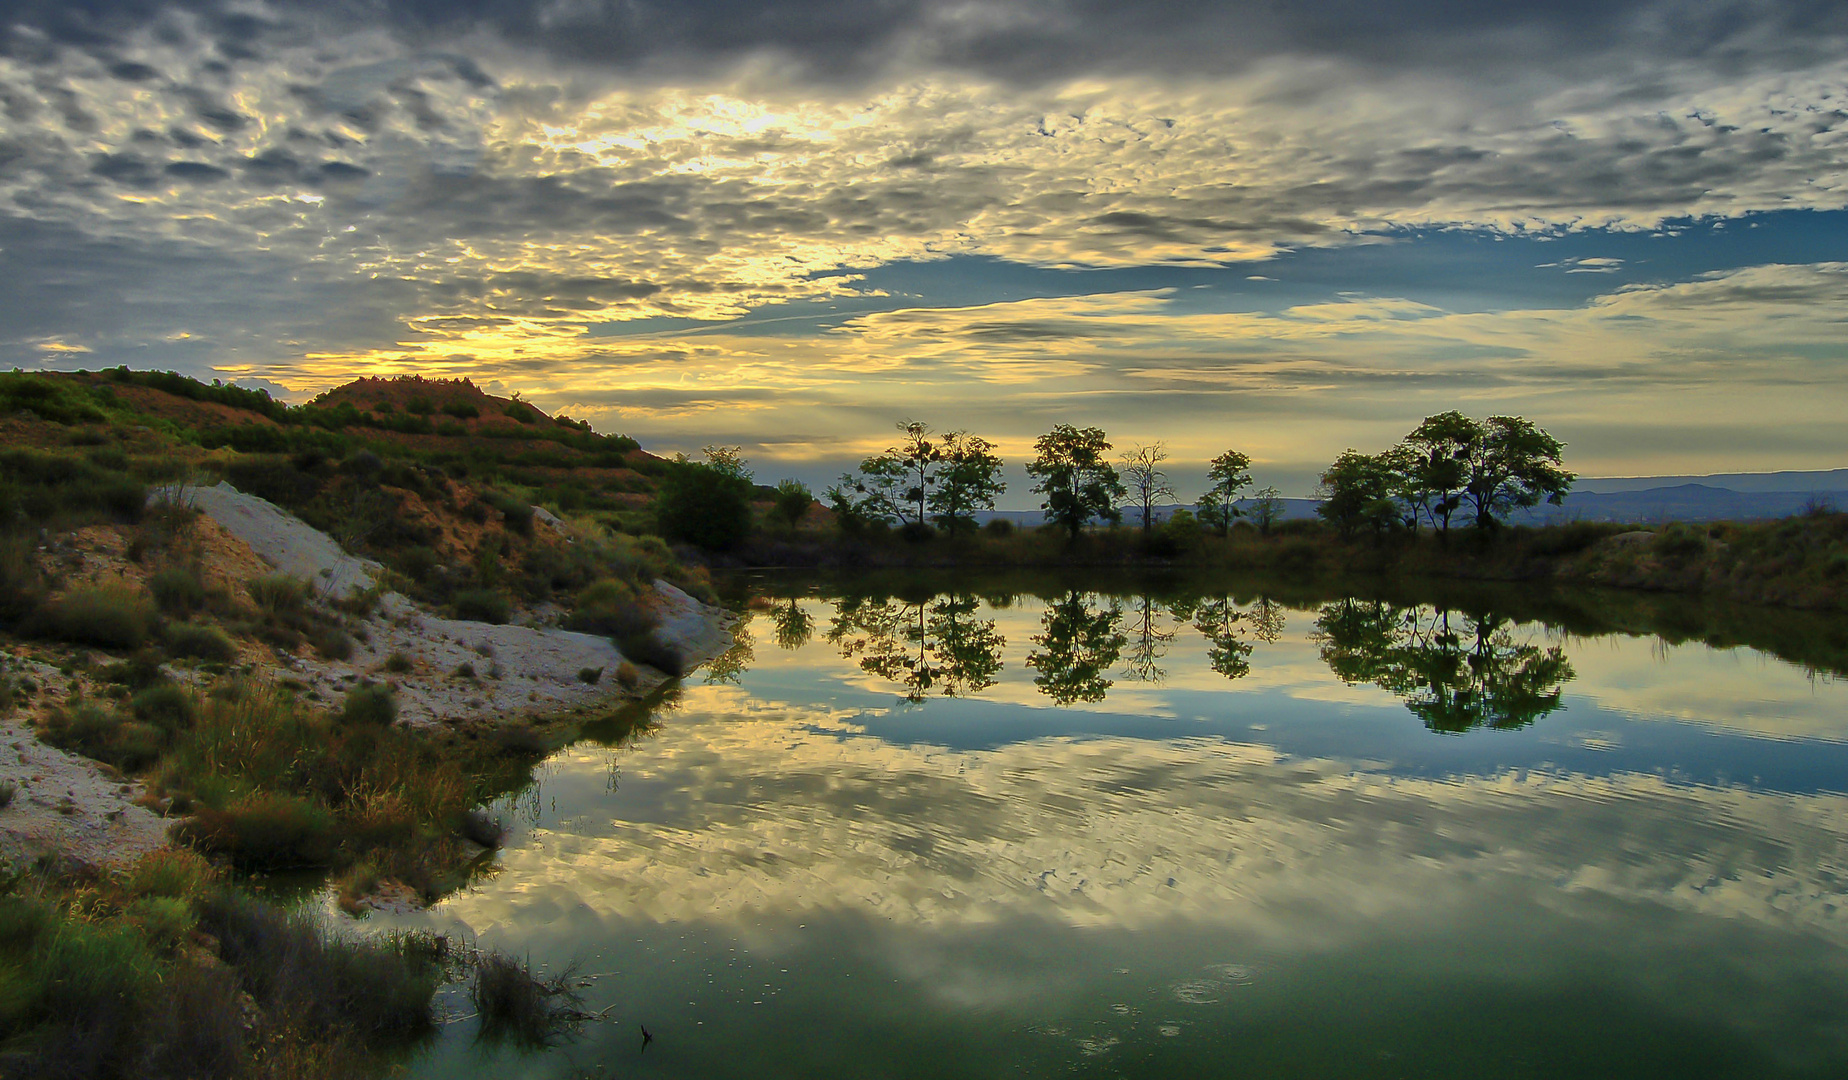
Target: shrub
22,586
370,705
174,872
332,643
166,706
482,605
263,831
610,607
8,789
917,532
199,641
516,1004
627,675
323,983
177,590
999,528
96,732
108,616
274,478
419,406
703,505
279,594
517,513
590,675
398,663
461,410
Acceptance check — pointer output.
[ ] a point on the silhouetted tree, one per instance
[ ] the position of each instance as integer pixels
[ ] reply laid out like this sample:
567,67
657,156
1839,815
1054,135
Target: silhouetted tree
1228,474
705,503
1515,464
968,479
1147,483
1267,509
1078,483
1357,493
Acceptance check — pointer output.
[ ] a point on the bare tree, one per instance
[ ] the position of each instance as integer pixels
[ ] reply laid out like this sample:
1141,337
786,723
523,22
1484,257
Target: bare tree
1148,484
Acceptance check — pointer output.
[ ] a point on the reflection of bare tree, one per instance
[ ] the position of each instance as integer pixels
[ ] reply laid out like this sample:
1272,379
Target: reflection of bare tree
1148,641
792,626
730,664
1455,671
1077,646
939,646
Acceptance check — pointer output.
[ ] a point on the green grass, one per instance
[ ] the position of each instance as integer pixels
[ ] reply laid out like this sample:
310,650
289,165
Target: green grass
112,617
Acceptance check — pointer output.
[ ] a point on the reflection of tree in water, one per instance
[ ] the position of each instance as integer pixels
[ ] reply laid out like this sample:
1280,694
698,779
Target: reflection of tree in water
939,646
1231,632
791,626
1148,641
1456,672
1077,646
728,665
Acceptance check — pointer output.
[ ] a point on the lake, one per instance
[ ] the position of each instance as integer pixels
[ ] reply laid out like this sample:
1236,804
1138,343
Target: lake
922,827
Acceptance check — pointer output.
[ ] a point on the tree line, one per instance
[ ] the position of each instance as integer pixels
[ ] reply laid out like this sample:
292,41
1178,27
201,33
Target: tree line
1451,468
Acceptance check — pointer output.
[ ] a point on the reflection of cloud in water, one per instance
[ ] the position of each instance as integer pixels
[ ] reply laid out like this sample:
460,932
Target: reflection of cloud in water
740,810
1739,689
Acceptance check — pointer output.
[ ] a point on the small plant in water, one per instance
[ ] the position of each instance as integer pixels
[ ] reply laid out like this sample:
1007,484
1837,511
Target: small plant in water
517,1005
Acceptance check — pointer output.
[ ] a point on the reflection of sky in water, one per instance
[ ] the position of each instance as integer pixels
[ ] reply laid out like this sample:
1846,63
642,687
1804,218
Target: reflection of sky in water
1178,872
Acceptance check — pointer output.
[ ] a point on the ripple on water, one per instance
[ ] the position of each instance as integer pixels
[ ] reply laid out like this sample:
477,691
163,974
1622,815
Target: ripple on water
1098,1044
1196,991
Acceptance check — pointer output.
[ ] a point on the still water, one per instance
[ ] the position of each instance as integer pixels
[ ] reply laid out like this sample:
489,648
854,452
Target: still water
1109,831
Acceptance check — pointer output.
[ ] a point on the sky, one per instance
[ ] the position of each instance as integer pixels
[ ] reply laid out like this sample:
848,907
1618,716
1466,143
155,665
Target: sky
1283,228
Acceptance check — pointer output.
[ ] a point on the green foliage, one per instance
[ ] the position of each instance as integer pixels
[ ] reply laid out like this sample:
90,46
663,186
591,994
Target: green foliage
516,512
199,641
1228,474
43,489
110,616
611,607
59,401
1357,494
279,594
704,504
792,501
521,412
461,410
482,605
1079,484
177,590
369,705
968,479
1267,509
164,705
263,831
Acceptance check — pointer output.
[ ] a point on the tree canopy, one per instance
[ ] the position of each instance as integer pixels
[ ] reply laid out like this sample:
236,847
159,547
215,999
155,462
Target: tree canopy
1073,475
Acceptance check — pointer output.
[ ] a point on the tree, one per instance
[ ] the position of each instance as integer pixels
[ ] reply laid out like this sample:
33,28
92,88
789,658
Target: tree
1435,466
1148,484
1076,480
792,501
1229,473
872,496
916,453
968,479
1515,464
1356,493
705,503
1267,509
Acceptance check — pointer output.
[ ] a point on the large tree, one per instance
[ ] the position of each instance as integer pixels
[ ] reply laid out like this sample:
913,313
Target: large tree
1515,464
1228,474
1434,465
1357,493
919,455
1148,483
968,479
1071,471
706,503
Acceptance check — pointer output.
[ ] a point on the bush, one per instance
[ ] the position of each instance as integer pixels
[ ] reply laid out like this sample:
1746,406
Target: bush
177,590
8,789
481,828
279,594
199,641
370,705
482,605
96,732
398,663
108,616
461,410
263,831
590,676
323,983
517,513
610,607
999,528
166,706
332,643
174,872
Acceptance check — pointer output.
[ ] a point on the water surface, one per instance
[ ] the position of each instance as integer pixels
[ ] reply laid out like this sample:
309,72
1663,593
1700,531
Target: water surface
1072,830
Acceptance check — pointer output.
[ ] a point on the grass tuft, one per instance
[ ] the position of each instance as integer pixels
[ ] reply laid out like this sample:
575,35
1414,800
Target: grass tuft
517,1005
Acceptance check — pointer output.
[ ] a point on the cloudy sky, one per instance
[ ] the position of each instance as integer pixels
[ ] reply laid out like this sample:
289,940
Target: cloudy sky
1282,227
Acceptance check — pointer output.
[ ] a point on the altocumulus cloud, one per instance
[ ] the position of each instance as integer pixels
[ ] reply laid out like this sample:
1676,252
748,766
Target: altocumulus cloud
277,189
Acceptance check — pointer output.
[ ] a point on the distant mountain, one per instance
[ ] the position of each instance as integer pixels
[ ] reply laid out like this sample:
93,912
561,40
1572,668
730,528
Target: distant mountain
1683,502
1806,482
